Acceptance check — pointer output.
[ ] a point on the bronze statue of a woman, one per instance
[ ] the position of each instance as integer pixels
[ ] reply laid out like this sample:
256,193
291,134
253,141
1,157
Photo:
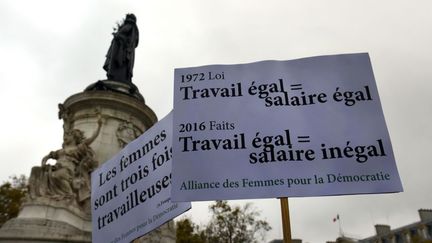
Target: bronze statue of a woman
121,54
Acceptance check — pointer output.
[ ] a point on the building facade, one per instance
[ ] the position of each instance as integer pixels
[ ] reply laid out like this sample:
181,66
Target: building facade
417,232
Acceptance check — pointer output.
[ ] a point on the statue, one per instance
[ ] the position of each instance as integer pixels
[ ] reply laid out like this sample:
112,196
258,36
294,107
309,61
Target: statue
121,54
69,178
120,60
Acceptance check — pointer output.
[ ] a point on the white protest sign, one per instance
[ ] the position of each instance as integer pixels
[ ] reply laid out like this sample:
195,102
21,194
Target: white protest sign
305,127
131,192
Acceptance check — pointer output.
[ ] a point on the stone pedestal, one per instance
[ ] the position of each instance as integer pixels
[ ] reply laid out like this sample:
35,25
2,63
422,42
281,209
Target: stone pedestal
124,116
39,230
44,220
124,119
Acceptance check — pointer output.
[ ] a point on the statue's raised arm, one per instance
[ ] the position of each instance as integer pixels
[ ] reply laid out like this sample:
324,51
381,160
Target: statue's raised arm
91,139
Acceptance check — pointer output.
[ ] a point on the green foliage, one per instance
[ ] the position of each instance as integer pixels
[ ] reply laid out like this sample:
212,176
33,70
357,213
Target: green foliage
227,225
188,232
234,224
11,195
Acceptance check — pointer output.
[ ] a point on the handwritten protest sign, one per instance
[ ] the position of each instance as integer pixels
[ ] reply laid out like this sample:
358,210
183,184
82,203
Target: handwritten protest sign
131,192
305,127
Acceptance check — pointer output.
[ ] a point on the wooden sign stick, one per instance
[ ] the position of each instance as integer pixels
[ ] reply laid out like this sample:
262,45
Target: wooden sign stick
286,226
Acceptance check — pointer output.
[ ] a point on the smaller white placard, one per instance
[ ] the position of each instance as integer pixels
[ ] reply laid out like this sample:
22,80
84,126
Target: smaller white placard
131,192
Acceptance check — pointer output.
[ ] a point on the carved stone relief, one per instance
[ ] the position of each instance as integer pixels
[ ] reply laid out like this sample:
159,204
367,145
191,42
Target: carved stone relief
126,133
68,180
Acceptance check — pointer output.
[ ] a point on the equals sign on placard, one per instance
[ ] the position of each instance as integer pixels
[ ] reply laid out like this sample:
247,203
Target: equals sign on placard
296,86
303,139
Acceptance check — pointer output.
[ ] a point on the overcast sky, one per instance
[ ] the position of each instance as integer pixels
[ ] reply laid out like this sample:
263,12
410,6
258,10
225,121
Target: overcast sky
50,50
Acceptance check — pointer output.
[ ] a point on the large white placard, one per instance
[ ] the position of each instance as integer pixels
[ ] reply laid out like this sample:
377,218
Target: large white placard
131,192
305,127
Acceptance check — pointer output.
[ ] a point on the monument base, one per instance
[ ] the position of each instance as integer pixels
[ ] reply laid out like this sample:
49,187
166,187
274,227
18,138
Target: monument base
47,220
124,116
25,230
